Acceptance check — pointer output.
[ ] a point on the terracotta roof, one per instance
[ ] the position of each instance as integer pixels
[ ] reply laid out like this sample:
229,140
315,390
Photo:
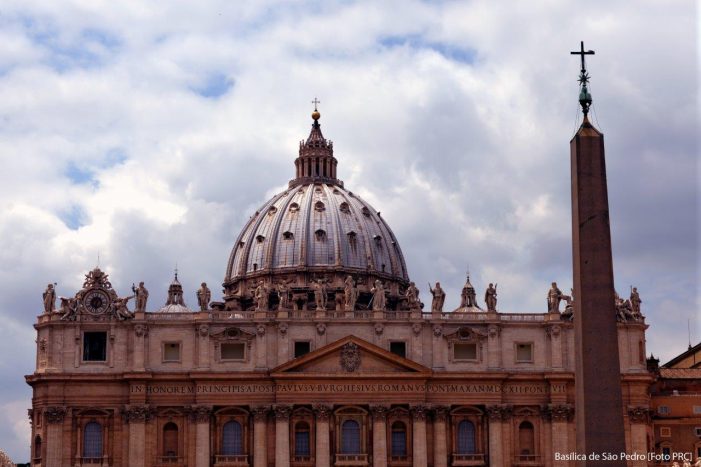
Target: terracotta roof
680,373
690,351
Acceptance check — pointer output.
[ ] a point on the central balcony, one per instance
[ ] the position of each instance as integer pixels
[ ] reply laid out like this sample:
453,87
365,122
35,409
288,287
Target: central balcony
238,460
351,460
468,459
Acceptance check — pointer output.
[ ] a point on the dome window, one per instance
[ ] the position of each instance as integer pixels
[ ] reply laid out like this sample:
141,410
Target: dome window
319,206
288,235
320,235
383,268
352,239
345,207
272,211
366,211
294,207
378,240
260,238
241,244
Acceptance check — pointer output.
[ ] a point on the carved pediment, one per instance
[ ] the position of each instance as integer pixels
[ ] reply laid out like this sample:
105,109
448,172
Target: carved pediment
350,356
466,334
232,334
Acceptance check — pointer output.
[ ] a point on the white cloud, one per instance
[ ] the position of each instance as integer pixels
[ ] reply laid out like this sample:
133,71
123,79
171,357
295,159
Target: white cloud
468,162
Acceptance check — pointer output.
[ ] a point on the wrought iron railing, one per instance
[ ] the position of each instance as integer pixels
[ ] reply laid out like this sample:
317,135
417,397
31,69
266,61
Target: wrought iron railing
468,459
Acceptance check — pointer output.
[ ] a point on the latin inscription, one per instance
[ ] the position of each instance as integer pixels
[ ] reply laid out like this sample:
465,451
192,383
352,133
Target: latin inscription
360,388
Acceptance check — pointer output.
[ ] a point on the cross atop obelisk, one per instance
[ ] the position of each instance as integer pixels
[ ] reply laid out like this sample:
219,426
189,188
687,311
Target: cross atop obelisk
584,95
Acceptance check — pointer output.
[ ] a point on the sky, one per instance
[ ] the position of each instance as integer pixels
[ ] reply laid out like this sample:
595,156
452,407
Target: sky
145,135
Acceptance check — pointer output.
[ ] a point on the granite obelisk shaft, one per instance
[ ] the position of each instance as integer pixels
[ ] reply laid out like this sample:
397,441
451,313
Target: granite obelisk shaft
599,406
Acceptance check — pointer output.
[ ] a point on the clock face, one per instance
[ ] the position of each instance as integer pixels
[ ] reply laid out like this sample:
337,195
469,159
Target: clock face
96,301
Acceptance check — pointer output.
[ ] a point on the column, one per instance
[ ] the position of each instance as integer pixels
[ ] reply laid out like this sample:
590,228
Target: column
203,359
282,435
493,346
554,333
201,416
323,451
560,415
54,435
420,456
440,437
379,435
261,347
260,445
137,416
639,419
496,456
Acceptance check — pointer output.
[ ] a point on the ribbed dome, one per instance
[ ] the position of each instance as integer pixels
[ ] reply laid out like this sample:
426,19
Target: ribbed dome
315,230
317,227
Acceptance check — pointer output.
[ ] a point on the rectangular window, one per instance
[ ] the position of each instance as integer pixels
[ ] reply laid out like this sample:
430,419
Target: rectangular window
171,351
698,431
95,346
524,352
667,453
464,352
302,348
398,348
236,351
665,432
697,410
663,410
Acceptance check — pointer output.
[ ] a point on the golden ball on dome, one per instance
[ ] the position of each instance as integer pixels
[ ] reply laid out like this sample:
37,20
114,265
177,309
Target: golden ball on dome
316,115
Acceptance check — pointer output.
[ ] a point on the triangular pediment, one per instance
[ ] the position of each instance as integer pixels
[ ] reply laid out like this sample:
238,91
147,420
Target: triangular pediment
350,356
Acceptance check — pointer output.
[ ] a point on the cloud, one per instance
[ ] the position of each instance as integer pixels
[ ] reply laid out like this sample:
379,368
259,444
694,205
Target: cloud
149,133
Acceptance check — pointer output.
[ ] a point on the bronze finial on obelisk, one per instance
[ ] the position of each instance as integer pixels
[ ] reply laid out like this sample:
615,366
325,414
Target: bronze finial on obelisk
598,398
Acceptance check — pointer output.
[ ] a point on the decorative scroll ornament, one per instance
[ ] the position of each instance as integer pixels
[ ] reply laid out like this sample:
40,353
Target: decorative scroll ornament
137,413
282,412
55,414
379,412
558,412
419,412
97,279
141,330
260,412
499,412
639,414
203,330
200,413
321,411
440,413
350,357
321,328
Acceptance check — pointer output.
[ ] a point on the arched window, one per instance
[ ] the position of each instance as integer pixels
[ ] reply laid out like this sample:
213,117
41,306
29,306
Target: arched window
92,440
170,440
466,437
526,439
398,439
37,447
302,442
232,439
350,437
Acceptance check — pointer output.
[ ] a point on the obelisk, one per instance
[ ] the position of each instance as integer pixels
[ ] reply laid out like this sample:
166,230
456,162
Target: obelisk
598,398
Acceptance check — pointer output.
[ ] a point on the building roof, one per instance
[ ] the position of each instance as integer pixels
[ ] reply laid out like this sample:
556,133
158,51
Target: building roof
691,358
680,373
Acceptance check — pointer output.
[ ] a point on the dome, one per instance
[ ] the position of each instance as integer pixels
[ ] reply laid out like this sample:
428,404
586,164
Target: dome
175,302
317,227
314,228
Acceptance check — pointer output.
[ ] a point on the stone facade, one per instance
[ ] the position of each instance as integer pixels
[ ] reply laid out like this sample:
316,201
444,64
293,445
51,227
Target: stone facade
262,378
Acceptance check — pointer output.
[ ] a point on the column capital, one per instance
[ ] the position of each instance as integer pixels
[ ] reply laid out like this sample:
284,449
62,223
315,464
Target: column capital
557,412
322,412
282,412
639,414
440,412
379,411
137,413
418,412
200,413
55,414
260,412
499,412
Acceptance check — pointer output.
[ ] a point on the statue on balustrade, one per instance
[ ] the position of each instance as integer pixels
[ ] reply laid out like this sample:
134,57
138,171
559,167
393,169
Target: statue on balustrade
141,297
120,308
49,297
350,293
490,297
438,298
320,293
412,297
635,301
283,294
554,298
204,295
379,301
260,295
69,308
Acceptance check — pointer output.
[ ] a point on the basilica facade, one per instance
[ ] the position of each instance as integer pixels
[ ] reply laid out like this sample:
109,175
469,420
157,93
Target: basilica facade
319,353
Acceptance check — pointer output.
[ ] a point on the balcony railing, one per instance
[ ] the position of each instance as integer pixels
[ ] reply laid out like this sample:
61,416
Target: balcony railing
468,459
101,461
351,459
526,460
170,461
238,460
